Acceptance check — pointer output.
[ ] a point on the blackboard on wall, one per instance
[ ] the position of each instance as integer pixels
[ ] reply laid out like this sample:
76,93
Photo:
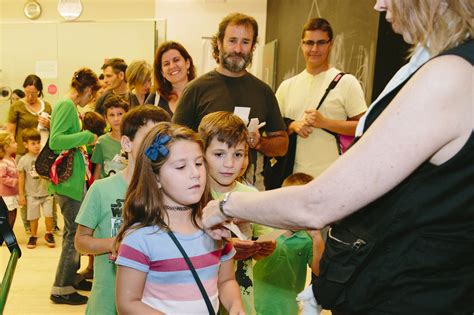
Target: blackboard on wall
355,26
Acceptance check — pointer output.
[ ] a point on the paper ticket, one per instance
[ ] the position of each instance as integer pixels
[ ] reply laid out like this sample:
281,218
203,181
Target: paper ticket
254,125
235,229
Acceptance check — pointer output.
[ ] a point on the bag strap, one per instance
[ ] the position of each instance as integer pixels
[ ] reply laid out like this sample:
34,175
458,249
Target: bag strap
157,98
331,86
210,308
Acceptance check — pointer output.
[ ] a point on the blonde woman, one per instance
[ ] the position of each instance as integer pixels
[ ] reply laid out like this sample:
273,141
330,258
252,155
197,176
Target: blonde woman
138,76
402,196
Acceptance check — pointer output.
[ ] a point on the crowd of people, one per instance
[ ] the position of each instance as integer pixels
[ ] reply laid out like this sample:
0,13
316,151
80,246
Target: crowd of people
166,202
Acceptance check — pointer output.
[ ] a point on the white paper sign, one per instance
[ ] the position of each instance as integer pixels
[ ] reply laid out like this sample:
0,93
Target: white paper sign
47,69
243,113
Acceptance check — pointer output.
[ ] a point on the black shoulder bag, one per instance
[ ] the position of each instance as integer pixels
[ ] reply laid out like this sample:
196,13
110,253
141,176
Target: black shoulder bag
276,169
210,308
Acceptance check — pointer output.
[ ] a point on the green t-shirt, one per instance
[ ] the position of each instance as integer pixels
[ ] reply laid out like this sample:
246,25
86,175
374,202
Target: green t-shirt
279,277
244,268
105,151
66,134
101,211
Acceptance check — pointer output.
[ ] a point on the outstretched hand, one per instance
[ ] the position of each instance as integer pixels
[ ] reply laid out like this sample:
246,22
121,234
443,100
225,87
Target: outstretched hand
212,220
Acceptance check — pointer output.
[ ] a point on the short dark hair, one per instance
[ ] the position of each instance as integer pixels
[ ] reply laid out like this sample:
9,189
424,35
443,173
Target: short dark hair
34,80
139,116
318,24
297,179
224,126
233,19
117,65
30,134
115,101
162,85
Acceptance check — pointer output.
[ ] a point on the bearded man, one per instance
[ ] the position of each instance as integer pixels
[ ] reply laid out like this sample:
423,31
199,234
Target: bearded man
231,88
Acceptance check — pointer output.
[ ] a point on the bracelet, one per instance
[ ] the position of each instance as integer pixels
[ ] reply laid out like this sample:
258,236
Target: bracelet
221,204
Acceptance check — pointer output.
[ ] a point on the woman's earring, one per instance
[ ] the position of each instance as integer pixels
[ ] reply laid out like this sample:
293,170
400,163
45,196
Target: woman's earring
159,185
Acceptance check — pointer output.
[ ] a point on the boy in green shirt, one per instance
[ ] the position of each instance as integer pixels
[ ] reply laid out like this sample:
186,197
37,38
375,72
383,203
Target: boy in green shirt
282,275
100,215
106,156
225,144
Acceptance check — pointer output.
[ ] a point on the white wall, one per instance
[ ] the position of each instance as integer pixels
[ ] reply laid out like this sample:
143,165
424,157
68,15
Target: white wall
187,21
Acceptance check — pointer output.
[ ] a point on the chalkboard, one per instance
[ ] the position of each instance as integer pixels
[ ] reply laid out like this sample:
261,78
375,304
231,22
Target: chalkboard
355,26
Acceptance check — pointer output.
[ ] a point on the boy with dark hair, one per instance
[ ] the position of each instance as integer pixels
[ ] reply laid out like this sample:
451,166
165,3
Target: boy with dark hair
225,146
100,215
106,156
33,190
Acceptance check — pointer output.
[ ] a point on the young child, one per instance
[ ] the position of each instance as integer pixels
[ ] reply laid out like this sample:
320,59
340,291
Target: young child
106,156
8,175
281,276
34,189
225,142
166,195
101,211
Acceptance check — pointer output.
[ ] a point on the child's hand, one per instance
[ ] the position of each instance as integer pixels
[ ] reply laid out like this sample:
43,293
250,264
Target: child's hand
266,249
244,249
22,200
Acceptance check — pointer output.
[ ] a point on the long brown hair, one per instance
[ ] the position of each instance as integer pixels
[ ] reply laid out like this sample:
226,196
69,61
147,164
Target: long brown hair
144,200
162,85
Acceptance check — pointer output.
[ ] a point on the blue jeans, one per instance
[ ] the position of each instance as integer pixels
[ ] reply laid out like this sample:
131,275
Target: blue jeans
69,261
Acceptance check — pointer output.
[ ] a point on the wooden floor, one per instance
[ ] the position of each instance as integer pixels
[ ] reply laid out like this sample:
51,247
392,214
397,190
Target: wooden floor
34,276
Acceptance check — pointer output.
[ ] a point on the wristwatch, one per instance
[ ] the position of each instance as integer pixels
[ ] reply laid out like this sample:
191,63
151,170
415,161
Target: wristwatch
222,203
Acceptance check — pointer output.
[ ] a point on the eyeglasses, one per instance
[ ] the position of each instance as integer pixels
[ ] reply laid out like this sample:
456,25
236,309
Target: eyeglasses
319,43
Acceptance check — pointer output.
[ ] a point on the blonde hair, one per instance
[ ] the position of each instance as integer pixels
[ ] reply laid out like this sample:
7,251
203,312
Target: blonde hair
5,141
437,25
225,127
137,73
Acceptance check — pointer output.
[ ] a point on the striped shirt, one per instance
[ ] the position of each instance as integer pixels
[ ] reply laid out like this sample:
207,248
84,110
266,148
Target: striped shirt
170,286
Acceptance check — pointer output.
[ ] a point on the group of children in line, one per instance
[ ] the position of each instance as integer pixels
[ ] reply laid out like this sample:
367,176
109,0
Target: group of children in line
22,186
169,174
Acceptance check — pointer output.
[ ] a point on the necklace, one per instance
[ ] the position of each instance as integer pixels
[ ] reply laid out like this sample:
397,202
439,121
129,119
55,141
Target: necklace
177,208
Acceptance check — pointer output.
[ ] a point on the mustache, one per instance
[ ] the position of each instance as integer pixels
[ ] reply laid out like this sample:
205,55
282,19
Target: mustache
241,55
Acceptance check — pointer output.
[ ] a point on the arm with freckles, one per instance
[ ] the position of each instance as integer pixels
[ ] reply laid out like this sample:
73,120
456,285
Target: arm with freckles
381,159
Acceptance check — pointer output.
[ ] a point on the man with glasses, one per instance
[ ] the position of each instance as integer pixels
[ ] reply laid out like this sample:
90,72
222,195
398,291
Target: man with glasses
299,96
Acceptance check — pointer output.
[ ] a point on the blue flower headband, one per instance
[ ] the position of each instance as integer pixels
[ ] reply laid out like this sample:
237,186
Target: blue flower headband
158,148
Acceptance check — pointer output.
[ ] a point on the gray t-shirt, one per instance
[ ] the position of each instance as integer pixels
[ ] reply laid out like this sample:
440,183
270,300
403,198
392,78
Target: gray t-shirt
35,185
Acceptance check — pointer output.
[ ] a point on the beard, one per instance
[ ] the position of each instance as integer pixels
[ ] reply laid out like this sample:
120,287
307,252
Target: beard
233,64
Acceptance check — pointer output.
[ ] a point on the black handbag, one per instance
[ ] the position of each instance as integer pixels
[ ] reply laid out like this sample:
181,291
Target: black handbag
47,158
210,308
276,169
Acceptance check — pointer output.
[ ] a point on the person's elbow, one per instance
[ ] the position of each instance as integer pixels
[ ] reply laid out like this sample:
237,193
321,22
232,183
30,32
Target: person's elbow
79,243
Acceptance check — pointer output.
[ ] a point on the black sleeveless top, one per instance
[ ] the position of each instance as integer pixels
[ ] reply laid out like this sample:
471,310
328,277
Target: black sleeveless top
411,250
